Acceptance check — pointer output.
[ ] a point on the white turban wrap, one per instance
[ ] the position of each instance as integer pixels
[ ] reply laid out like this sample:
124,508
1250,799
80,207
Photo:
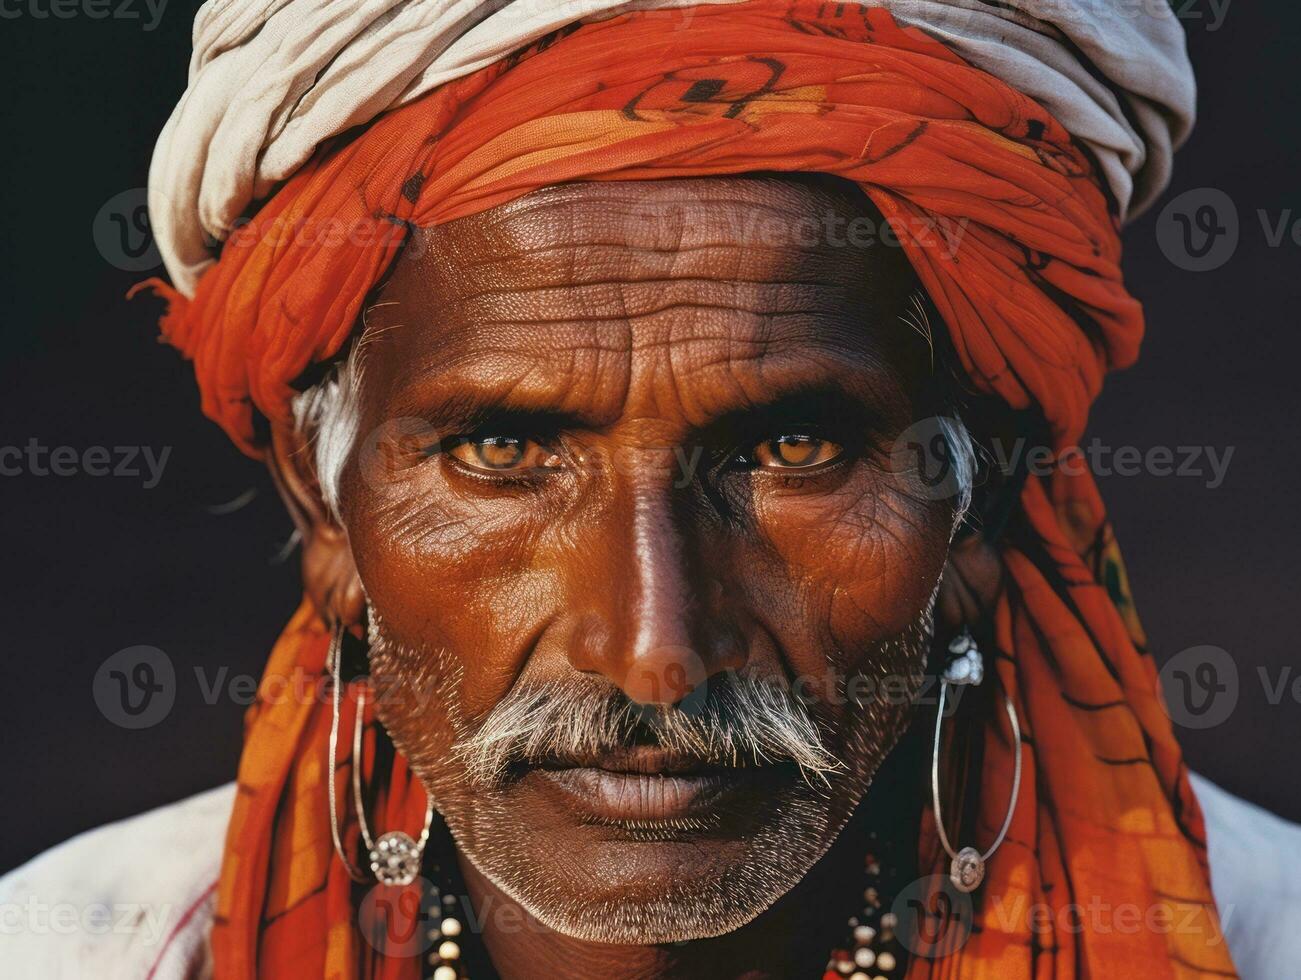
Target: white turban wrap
272,79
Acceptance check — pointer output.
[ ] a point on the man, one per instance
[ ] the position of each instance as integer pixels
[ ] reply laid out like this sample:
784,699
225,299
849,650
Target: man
628,383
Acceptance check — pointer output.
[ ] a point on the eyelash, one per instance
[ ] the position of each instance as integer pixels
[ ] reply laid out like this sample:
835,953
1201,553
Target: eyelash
795,478
739,458
505,478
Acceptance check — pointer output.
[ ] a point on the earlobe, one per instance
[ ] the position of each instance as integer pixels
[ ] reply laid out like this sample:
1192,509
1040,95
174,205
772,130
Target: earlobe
970,586
330,577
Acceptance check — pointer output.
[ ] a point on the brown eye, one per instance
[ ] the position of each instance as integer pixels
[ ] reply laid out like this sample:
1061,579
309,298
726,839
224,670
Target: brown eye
794,452
499,454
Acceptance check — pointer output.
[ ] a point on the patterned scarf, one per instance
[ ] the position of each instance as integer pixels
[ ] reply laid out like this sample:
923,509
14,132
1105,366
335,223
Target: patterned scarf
1005,223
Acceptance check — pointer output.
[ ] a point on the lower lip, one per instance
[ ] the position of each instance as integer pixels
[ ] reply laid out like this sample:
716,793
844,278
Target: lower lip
641,798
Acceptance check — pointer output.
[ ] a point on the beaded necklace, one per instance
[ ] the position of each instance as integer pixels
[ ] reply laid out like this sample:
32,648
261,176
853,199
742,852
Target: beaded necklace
871,951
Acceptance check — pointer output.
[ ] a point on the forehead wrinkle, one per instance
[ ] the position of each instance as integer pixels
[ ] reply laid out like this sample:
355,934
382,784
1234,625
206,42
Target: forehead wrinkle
698,206
570,350
746,379
553,288
672,328
713,369
614,302
603,264
559,384
611,222
570,265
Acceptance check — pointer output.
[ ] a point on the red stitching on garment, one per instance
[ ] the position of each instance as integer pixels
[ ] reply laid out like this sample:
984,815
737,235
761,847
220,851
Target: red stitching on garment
189,914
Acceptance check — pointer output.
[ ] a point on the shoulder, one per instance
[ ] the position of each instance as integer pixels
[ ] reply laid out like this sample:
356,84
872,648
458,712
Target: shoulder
1256,877
135,898
129,899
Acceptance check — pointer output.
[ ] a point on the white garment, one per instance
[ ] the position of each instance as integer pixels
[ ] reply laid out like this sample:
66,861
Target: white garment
168,860
272,79
126,901
1256,877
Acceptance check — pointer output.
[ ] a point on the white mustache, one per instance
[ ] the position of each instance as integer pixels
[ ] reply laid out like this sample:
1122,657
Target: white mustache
739,721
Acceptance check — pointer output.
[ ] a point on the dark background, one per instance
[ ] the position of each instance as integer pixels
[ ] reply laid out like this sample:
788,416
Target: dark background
93,565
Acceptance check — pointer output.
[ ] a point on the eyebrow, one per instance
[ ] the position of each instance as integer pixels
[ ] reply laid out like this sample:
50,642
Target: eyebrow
820,403
466,410
472,405
460,391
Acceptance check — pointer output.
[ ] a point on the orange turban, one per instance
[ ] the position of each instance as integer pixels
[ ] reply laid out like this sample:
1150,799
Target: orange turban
1004,220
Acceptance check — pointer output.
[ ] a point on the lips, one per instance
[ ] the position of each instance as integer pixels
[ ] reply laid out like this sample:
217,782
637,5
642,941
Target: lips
646,785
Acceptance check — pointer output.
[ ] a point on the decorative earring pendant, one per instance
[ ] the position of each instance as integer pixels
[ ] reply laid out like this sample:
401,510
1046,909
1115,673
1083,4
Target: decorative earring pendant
967,870
967,667
395,859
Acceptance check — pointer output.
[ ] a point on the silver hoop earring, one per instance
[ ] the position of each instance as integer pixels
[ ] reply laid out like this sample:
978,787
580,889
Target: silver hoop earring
967,666
395,858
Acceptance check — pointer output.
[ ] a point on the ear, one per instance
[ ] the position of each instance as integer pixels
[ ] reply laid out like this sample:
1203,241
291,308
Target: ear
970,586
329,575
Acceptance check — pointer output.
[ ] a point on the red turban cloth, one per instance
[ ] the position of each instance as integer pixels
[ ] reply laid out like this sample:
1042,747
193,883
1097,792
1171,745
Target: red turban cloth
1006,224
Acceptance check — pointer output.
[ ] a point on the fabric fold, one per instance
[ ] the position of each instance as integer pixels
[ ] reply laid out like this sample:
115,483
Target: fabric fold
272,80
1005,220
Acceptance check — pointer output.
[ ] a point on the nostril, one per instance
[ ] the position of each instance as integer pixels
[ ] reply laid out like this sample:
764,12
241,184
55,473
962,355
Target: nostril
666,674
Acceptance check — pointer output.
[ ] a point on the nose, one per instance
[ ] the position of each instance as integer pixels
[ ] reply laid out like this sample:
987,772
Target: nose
650,629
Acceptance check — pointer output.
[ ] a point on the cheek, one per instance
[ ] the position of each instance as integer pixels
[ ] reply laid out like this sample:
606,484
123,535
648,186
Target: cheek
856,565
449,572
830,574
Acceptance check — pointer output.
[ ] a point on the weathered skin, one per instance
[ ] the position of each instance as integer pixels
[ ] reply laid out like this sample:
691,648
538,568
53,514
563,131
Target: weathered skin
535,379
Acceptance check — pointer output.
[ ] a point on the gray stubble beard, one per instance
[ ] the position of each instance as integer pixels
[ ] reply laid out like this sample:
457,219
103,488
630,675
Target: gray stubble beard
489,832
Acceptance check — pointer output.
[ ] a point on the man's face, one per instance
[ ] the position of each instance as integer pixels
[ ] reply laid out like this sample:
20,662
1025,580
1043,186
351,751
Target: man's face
625,509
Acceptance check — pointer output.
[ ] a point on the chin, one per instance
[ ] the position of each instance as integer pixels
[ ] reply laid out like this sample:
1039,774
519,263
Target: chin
655,859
